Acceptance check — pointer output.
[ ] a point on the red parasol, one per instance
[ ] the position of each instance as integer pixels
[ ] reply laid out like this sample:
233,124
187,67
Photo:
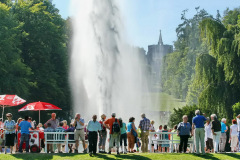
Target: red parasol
10,100
39,106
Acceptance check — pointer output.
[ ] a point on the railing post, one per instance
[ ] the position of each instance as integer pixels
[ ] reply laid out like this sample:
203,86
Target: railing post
45,135
172,145
67,141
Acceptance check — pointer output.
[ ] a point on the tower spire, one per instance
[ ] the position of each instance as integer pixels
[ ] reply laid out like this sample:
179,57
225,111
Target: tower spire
160,42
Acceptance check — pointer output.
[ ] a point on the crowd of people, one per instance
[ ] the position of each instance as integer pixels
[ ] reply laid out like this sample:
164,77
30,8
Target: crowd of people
210,135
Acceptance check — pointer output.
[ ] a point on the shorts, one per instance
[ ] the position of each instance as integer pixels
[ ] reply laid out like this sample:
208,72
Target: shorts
9,139
79,134
234,141
102,138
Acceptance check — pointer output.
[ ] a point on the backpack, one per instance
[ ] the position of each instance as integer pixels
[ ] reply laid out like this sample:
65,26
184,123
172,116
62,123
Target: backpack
115,127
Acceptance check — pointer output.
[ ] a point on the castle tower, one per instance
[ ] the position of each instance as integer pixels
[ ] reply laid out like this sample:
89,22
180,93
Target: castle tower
160,41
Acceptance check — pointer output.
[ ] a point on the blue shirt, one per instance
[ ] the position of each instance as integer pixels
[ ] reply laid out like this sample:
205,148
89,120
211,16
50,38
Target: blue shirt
9,126
78,125
129,127
223,127
49,129
198,121
94,126
184,128
25,125
123,129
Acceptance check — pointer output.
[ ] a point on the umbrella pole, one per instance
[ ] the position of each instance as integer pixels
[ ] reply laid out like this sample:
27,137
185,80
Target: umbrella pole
2,113
39,117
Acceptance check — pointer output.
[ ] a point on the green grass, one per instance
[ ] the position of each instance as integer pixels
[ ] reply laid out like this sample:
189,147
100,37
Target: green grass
148,156
165,102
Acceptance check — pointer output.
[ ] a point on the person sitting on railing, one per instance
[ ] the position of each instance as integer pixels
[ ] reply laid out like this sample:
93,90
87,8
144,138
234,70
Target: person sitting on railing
184,129
165,137
49,137
159,137
71,136
61,136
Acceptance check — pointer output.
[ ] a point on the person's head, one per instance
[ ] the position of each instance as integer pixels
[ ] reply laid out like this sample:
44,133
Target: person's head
175,127
234,121
238,116
94,117
103,116
131,119
114,115
77,116
152,122
64,123
26,118
60,124
39,125
143,115
213,117
120,121
29,119
165,127
160,127
197,112
49,125
19,120
208,120
224,120
53,115
185,118
9,116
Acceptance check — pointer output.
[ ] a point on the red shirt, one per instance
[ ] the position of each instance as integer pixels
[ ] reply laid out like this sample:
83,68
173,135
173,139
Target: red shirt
110,122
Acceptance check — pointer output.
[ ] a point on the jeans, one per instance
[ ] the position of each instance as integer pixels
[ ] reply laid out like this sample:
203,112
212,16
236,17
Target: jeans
123,138
199,136
223,139
24,137
216,139
92,139
183,143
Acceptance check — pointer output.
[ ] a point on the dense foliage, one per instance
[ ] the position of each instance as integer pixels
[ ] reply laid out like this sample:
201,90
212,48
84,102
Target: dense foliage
210,77
34,53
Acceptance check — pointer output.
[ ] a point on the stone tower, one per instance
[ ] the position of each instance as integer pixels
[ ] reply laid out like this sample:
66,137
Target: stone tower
155,55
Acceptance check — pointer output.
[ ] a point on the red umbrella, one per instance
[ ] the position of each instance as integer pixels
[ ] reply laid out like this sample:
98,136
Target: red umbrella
10,100
39,106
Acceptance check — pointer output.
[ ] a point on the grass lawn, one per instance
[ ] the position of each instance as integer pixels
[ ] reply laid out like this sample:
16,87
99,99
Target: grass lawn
148,156
165,102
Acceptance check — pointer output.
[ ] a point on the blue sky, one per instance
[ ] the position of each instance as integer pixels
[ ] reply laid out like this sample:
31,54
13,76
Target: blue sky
144,18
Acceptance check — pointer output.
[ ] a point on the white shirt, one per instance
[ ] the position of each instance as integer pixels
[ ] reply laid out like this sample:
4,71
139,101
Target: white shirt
238,124
234,129
159,135
208,131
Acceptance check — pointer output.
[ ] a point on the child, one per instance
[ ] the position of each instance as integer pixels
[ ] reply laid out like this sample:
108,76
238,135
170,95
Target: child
138,144
234,135
165,137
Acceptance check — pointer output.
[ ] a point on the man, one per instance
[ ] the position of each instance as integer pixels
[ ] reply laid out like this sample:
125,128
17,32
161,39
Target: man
60,136
79,132
184,129
93,128
198,125
102,135
223,137
53,121
144,126
49,137
238,123
216,131
24,126
114,126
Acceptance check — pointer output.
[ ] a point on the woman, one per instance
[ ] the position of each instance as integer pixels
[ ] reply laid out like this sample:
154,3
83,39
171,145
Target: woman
123,136
9,126
151,129
65,126
184,129
208,136
130,134
165,137
234,136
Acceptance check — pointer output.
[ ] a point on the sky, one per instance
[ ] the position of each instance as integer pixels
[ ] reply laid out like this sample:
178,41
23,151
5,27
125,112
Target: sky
143,19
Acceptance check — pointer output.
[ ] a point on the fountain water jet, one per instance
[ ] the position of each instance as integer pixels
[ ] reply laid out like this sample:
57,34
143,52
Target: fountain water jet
106,74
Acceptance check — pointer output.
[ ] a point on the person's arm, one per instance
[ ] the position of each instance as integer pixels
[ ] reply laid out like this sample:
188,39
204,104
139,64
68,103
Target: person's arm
133,127
178,129
81,122
193,127
45,125
226,128
140,125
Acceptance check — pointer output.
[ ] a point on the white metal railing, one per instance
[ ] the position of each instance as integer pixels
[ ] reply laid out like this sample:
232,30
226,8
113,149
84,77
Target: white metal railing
170,141
58,138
